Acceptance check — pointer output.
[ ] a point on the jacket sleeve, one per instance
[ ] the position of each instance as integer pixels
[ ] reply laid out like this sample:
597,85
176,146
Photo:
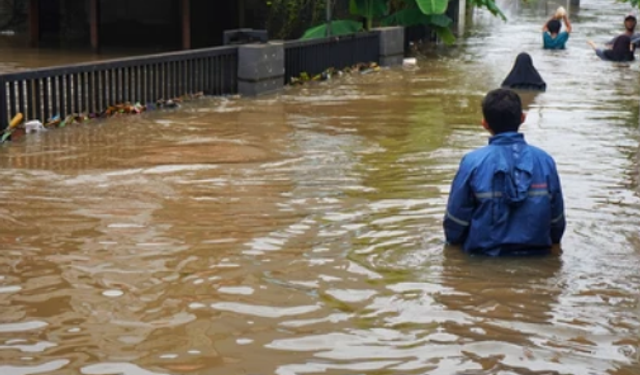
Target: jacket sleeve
459,207
558,223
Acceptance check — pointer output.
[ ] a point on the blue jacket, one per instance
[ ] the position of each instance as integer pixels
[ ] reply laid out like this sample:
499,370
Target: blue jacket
506,198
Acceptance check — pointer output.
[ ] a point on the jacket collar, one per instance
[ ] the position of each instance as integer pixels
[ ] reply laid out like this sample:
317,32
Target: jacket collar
507,138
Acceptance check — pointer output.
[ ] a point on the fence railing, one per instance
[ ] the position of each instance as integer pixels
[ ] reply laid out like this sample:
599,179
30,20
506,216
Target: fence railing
93,87
315,55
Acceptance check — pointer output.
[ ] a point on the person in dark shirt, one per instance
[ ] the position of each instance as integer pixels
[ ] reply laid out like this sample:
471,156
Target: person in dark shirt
621,51
506,197
630,23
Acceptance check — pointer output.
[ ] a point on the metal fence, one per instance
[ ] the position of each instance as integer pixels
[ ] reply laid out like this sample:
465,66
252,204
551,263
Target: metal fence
93,87
315,55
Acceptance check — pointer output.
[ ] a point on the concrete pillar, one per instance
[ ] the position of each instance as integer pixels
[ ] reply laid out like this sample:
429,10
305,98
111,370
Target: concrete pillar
391,45
260,68
462,16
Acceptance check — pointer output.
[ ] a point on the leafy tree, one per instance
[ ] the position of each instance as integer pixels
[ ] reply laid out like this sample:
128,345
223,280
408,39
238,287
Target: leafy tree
635,3
431,13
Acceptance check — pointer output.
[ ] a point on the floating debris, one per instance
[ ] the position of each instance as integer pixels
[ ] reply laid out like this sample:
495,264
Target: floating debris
18,126
410,62
13,127
362,68
34,126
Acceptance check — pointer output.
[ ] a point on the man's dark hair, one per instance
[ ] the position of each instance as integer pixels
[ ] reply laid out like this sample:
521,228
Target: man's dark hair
631,27
502,109
553,26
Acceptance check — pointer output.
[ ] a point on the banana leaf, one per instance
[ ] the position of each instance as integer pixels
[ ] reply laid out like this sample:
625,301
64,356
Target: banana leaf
492,7
445,34
413,17
343,27
432,6
440,20
406,17
369,8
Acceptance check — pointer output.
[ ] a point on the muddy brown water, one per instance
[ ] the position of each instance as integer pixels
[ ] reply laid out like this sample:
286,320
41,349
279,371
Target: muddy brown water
301,234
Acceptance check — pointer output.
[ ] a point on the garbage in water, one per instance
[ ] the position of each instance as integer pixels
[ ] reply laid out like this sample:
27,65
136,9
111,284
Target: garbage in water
13,125
362,68
34,126
410,62
16,120
18,126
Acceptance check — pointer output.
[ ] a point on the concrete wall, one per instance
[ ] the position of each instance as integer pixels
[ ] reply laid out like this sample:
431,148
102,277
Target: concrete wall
74,21
127,23
13,17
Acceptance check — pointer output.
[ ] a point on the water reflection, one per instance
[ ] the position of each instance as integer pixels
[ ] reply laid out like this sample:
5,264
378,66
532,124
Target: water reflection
301,234
506,306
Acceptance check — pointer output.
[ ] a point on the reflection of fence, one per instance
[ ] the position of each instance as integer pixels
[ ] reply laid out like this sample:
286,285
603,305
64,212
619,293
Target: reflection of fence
61,152
92,87
316,55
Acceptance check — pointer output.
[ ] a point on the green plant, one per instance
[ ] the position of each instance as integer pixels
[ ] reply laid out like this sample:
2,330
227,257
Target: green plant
422,12
430,13
369,9
492,7
343,27
634,3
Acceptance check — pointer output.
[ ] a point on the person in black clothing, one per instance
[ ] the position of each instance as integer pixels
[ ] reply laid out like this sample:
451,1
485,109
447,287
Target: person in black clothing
621,51
524,75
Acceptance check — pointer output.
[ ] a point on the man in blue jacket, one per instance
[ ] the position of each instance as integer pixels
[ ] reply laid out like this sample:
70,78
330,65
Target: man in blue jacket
506,197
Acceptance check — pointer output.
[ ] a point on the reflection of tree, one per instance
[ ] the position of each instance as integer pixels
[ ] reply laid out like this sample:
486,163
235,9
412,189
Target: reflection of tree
411,129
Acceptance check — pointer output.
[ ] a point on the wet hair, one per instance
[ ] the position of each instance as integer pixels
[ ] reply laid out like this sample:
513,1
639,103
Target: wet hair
502,110
553,26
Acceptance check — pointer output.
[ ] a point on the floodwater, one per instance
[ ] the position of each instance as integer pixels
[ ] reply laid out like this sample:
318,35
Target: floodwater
301,234
17,56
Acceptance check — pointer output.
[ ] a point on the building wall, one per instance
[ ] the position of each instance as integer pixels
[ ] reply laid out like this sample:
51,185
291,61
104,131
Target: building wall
135,23
142,24
13,15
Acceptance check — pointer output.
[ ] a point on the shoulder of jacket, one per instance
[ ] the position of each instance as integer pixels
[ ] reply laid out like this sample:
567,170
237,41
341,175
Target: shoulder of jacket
538,151
473,158
542,155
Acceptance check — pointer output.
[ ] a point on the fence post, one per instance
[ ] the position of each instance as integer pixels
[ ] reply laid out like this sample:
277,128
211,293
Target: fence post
391,45
4,107
260,68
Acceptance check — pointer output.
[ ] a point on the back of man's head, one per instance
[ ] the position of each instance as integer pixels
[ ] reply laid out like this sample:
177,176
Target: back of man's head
553,26
502,110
